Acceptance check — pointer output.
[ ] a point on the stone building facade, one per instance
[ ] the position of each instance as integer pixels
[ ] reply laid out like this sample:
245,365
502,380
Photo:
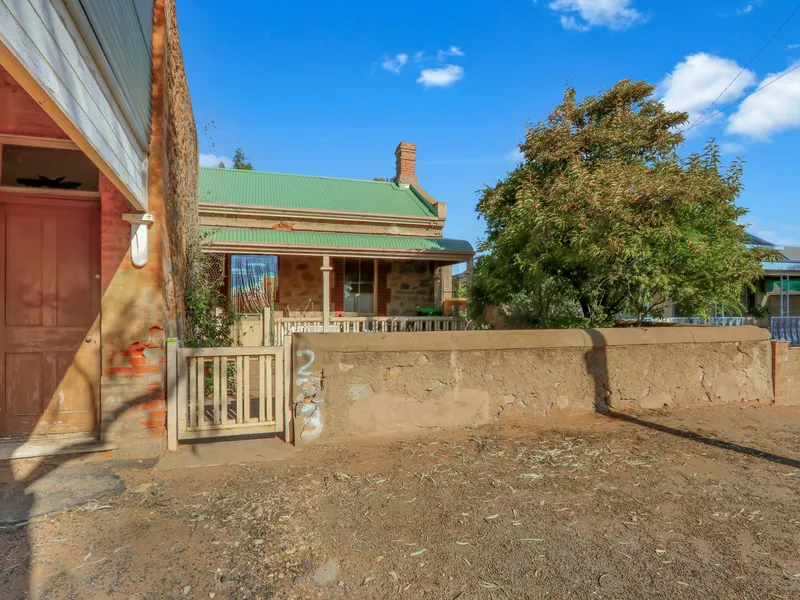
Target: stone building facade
393,229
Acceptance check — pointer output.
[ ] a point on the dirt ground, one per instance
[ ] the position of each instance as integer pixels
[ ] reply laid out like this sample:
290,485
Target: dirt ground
700,503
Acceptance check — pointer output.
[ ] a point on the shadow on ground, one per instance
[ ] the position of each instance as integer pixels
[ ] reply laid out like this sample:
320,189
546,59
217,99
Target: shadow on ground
597,365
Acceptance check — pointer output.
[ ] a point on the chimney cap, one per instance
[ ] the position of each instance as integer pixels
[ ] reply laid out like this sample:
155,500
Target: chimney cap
406,146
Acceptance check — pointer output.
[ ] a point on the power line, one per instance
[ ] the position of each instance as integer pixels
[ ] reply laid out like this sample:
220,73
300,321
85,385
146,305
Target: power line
732,104
750,62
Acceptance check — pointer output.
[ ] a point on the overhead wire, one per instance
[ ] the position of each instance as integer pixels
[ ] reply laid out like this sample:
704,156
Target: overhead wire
732,104
700,119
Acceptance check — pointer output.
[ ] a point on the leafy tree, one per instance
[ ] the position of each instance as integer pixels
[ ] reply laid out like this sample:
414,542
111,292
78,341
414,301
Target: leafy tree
604,217
240,161
381,179
221,165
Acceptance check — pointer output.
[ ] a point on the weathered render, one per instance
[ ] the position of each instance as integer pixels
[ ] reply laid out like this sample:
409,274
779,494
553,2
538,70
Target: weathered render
357,384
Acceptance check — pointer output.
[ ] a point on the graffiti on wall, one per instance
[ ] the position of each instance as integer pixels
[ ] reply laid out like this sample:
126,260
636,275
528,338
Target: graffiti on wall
309,398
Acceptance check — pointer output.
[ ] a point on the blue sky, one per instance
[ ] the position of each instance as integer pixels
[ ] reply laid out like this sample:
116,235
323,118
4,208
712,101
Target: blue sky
330,88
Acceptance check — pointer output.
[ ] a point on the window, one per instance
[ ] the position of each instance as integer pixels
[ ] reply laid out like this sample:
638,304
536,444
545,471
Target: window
254,281
48,168
359,285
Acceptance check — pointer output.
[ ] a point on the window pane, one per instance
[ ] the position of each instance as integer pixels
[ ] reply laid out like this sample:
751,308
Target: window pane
350,300
365,302
368,270
351,269
48,168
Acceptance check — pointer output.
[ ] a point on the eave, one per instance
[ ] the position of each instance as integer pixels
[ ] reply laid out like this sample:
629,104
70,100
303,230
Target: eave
280,213
334,251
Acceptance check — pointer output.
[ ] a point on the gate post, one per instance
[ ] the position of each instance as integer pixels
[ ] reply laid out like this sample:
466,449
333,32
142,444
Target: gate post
172,394
288,390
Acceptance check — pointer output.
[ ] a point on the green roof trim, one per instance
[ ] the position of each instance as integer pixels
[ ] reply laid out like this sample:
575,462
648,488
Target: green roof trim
245,235
257,188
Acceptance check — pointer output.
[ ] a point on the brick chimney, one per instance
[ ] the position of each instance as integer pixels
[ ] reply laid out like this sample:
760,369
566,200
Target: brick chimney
406,154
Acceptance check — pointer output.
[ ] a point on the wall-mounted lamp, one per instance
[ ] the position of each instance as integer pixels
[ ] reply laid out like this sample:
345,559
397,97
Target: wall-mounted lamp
140,223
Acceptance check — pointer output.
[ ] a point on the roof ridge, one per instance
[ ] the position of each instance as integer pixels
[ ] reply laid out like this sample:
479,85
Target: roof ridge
253,171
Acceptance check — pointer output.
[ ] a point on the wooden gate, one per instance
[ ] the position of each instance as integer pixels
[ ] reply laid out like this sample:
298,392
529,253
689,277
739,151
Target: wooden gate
224,392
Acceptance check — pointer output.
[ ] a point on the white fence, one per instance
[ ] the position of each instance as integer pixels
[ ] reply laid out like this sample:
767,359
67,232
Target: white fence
283,326
717,321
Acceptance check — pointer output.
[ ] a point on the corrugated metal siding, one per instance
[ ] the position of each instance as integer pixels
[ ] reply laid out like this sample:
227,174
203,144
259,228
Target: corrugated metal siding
119,34
256,188
245,235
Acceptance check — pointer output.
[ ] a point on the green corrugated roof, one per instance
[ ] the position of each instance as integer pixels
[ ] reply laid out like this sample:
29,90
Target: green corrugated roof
256,188
244,235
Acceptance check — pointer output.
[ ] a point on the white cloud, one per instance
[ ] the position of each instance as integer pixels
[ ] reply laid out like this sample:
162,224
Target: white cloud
212,160
731,148
748,8
697,81
772,230
441,55
393,65
443,77
770,109
570,22
792,47
614,14
515,156
419,56
775,237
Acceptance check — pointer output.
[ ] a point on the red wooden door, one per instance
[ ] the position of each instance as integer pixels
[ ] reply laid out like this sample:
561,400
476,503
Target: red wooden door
50,307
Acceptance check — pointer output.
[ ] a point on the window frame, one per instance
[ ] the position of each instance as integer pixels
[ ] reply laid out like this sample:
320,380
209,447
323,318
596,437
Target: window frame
374,283
53,144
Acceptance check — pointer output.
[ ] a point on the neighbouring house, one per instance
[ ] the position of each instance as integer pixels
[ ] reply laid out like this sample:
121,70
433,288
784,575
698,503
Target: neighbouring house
776,294
98,195
322,250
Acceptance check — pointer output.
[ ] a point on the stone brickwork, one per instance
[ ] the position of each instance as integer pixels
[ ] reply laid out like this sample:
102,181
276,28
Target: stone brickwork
410,286
299,284
402,287
180,166
785,373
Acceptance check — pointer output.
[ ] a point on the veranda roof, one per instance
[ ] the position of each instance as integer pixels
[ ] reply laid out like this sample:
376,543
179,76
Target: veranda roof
246,240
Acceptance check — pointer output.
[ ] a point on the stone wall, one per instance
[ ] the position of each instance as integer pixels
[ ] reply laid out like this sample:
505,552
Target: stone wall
402,287
299,284
180,168
410,284
361,384
785,373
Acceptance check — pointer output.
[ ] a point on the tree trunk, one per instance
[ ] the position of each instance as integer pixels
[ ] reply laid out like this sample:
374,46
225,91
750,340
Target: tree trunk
587,311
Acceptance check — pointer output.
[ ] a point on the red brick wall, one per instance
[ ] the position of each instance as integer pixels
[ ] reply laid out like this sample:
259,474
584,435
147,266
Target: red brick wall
136,301
337,284
132,397
383,291
405,163
785,373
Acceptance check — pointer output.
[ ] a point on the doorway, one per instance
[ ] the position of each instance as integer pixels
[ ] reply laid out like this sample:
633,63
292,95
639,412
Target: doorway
49,315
